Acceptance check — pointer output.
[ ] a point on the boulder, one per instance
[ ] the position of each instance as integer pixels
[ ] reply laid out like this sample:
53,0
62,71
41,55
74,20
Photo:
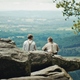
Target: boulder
39,60
49,73
31,78
42,59
16,64
13,61
69,64
53,72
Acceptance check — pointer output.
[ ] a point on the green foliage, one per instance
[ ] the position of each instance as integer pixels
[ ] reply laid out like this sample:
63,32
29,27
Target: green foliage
76,26
70,8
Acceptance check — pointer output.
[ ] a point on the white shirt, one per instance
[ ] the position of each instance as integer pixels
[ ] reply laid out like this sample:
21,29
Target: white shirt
51,47
29,45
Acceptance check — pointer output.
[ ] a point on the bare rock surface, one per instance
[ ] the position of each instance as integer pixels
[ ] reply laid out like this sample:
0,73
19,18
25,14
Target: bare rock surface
16,64
39,60
31,78
13,61
53,72
49,73
69,64
42,59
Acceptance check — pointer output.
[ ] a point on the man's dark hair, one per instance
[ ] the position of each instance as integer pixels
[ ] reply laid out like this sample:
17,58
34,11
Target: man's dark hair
50,39
30,36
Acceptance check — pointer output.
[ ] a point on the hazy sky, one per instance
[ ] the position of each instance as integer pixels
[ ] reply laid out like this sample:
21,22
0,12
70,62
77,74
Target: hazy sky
27,5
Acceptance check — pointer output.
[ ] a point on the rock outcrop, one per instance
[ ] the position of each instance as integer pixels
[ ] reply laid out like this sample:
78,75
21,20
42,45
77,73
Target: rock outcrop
41,59
13,61
31,78
66,63
49,73
16,63
53,72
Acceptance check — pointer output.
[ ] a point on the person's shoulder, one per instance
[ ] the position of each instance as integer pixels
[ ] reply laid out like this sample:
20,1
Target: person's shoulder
33,42
47,44
25,41
55,43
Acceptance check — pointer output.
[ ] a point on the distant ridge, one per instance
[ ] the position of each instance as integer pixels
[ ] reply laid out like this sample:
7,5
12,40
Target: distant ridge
23,13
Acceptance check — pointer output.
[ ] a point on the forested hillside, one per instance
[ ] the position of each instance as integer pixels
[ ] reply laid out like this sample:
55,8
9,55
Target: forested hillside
70,46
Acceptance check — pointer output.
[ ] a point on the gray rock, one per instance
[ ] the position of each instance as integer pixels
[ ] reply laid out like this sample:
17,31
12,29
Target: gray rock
13,61
49,73
31,78
4,43
39,60
16,63
53,72
66,63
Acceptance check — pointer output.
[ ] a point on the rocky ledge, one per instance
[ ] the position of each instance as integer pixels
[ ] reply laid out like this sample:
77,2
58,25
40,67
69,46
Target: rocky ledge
15,64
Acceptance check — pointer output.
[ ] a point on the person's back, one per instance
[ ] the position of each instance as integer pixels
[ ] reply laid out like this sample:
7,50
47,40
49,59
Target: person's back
51,46
29,45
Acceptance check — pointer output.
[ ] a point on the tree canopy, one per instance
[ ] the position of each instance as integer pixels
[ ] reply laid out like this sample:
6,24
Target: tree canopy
70,8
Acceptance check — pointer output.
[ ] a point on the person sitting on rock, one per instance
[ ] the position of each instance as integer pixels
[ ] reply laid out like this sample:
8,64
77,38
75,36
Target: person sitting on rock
29,45
51,46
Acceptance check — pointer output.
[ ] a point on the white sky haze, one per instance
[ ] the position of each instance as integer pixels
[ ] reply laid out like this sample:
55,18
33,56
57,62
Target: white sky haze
27,5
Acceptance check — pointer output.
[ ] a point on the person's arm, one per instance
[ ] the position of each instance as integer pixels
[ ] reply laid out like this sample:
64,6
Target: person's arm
57,47
44,48
35,47
24,46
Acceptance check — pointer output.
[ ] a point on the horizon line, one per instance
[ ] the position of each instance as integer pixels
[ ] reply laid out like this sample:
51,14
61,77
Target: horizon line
28,10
